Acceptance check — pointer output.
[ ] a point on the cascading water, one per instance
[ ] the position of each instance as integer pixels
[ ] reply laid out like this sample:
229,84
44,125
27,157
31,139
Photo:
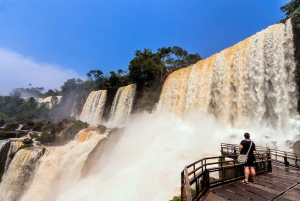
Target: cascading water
4,148
93,108
60,167
15,179
74,106
14,146
50,101
249,84
122,105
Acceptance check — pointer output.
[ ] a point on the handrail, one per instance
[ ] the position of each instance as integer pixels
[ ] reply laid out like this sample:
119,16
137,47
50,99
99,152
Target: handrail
284,157
287,158
198,177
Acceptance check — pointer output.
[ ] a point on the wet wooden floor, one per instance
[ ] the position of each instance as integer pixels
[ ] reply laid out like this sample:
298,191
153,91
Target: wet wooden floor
282,184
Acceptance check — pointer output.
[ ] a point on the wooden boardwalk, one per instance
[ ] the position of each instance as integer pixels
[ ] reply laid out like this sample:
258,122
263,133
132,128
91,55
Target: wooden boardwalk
283,184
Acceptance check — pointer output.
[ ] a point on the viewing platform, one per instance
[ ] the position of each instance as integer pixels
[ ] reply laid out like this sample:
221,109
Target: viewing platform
218,178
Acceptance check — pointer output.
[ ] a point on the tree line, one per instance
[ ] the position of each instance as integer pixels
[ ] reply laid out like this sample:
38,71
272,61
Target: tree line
147,69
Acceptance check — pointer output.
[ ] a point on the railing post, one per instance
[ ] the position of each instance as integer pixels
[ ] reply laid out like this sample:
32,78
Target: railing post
183,194
286,163
187,185
270,161
206,178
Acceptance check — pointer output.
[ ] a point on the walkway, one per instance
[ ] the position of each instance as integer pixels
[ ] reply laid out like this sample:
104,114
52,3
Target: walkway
283,184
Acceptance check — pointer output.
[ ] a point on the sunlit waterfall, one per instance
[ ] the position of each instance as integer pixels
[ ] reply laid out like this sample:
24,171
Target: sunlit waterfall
249,84
15,180
122,105
93,108
60,167
247,87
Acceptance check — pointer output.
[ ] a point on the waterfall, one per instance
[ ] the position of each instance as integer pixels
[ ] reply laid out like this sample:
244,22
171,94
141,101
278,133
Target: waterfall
60,167
49,101
74,107
14,146
93,108
122,105
4,148
18,174
250,83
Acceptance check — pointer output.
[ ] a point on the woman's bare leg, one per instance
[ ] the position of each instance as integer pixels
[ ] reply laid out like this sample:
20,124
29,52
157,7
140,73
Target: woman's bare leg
253,173
246,171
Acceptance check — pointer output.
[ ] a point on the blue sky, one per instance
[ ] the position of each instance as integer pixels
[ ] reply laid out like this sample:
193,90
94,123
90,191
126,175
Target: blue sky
73,37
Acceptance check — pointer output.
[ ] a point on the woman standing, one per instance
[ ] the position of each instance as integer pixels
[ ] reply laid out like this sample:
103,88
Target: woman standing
244,146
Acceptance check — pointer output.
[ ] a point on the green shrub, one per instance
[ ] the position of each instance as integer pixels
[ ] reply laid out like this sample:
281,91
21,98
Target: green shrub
27,141
23,147
79,125
28,126
38,126
49,128
11,126
33,135
46,138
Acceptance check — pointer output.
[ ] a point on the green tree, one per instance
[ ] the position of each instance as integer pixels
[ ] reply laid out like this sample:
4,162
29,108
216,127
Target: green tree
289,8
145,68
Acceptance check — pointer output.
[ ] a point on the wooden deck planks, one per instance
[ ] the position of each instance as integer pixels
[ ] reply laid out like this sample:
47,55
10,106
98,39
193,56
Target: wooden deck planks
278,184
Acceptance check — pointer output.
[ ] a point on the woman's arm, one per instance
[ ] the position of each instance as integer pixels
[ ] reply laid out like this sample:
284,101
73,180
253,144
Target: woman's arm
240,146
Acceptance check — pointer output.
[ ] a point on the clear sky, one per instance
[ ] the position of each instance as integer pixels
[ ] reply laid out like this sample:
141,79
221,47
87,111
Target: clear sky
46,42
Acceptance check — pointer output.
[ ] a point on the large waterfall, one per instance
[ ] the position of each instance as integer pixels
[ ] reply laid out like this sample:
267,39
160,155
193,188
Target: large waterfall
15,179
60,167
248,87
122,105
250,83
93,108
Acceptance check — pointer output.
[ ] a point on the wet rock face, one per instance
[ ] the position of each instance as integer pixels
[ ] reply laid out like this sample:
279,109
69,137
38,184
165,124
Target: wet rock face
2,122
102,129
296,146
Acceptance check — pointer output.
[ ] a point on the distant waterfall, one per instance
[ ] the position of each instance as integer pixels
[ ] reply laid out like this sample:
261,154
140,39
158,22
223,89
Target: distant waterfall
122,105
93,108
74,106
50,101
15,180
250,83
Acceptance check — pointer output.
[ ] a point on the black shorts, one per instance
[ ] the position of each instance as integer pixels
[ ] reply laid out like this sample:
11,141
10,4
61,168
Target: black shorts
250,161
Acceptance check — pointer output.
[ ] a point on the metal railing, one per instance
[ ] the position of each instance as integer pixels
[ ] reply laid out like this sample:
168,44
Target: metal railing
233,149
283,157
205,173
286,158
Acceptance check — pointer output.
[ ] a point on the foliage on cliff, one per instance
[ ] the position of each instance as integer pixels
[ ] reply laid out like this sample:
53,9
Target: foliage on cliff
292,10
289,9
